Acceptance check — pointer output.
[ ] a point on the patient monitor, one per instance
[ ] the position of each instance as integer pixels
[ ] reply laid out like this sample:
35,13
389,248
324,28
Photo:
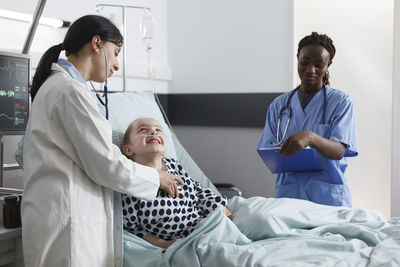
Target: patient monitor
14,93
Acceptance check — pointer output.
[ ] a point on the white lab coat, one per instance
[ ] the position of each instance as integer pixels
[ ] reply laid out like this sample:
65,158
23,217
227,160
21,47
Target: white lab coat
71,168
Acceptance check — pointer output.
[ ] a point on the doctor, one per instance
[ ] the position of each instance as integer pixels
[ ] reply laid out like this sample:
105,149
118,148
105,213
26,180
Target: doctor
71,166
316,115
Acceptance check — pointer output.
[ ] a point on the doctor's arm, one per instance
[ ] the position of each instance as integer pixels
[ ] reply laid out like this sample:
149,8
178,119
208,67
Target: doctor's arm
328,148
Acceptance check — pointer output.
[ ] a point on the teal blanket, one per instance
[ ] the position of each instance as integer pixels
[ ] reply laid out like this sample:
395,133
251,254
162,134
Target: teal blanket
278,232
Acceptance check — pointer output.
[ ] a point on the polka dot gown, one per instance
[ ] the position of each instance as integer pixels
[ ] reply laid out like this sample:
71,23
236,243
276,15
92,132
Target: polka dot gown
167,217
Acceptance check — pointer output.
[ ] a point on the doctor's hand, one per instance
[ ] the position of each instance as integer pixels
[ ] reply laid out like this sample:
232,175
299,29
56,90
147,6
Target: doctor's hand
297,142
168,183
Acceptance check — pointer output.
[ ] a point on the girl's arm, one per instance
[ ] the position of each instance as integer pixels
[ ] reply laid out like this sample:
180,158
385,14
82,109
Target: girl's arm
159,242
228,213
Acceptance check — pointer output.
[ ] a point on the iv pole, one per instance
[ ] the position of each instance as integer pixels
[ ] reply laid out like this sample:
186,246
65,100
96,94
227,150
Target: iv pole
99,7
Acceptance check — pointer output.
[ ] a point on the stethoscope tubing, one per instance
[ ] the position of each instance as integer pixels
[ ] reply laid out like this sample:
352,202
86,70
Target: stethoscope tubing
105,102
290,113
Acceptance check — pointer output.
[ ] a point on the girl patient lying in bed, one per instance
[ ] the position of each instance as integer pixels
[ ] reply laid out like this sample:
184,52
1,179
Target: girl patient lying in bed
165,219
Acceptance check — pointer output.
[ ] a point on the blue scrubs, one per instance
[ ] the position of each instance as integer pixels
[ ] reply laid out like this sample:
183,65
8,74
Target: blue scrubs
329,186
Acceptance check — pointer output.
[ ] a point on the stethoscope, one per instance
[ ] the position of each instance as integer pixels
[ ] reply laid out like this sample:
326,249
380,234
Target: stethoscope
290,113
105,95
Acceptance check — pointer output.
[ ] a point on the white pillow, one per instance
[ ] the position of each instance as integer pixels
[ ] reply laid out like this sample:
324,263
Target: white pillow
126,107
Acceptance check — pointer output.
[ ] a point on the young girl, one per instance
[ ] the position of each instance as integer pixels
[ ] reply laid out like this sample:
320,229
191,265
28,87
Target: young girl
164,219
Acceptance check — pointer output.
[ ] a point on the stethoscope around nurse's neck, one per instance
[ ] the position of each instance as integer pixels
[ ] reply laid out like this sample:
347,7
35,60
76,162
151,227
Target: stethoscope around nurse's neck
289,110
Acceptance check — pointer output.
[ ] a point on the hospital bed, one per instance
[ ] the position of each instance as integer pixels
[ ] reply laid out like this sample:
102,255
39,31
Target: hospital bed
263,232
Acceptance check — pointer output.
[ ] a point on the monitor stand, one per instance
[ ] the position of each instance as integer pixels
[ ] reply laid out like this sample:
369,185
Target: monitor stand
5,166
1,160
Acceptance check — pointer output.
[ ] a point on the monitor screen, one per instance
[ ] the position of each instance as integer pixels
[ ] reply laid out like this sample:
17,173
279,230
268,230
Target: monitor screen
14,93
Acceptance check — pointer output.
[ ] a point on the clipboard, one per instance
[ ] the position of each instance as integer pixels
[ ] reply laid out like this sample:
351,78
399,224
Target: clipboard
303,161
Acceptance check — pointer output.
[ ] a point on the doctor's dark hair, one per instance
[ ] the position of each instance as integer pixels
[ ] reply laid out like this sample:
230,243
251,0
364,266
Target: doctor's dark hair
78,35
319,39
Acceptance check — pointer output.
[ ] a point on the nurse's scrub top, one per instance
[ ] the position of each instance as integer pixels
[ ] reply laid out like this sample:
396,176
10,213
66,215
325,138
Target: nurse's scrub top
328,186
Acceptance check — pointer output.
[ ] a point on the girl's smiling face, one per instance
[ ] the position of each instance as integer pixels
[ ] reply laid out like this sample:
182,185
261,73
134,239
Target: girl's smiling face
146,137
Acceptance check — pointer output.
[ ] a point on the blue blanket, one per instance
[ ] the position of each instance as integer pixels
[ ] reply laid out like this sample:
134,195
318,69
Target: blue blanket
278,232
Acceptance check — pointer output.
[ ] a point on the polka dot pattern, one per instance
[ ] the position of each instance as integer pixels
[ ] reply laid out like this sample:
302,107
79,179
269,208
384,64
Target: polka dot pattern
168,217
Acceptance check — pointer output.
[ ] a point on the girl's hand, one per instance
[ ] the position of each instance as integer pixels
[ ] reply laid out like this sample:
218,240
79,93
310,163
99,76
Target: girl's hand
159,242
168,243
228,213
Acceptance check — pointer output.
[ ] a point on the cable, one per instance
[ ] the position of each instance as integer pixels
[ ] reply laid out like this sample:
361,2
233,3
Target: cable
105,84
151,76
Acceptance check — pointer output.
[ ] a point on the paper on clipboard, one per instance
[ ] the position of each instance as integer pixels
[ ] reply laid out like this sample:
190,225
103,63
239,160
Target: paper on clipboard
304,160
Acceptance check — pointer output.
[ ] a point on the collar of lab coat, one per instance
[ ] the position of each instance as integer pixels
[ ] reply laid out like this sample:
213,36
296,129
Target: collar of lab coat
70,69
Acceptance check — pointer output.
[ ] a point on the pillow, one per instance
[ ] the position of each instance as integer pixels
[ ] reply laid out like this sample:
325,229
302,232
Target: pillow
126,107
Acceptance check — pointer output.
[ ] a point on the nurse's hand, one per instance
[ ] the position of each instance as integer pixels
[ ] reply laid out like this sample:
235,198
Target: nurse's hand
330,149
168,183
296,142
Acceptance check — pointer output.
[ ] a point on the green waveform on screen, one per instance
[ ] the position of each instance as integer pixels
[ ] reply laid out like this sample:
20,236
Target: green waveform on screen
5,115
19,121
7,93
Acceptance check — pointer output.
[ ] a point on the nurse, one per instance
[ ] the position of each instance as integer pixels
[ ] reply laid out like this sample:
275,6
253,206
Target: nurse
70,214
316,115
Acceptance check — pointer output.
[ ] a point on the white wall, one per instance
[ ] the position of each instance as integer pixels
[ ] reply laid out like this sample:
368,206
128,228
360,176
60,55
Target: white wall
362,31
230,46
396,114
14,33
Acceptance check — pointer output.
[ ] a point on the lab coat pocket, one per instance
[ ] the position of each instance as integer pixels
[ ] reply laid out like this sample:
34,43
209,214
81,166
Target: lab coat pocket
323,130
286,190
325,193
89,243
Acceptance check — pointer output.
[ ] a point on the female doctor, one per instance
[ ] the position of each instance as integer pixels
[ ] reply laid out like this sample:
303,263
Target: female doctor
71,166
315,115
